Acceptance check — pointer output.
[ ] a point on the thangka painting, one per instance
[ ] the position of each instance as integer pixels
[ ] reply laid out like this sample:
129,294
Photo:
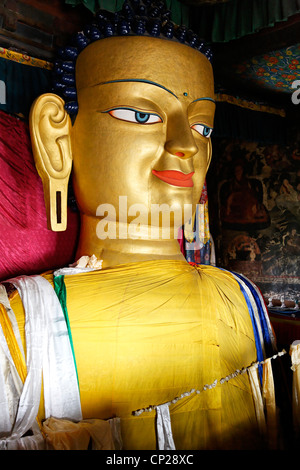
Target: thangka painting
258,233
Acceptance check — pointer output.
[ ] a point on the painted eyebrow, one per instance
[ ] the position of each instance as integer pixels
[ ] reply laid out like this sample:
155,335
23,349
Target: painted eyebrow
139,81
204,99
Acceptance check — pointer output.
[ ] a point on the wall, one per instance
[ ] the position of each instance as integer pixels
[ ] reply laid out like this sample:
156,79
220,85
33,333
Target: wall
254,193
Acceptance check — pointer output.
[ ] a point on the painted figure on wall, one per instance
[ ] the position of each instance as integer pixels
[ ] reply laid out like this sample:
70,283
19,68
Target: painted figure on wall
146,329
272,172
242,202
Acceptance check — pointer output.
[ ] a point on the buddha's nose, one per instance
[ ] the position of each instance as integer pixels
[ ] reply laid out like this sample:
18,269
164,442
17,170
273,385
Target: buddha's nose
179,139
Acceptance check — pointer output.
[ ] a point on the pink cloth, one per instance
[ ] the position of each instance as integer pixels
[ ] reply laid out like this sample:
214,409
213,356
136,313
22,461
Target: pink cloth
26,245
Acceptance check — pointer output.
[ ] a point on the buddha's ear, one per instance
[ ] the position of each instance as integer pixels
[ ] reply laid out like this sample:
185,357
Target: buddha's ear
50,130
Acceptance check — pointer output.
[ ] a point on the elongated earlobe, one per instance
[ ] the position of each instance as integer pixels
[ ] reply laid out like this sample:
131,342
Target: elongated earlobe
50,128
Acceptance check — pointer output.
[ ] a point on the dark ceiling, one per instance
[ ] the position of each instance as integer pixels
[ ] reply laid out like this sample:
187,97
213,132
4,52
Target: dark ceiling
259,66
38,27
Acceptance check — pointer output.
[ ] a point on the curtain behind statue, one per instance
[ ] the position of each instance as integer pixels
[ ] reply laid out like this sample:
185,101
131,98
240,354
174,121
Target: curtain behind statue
26,245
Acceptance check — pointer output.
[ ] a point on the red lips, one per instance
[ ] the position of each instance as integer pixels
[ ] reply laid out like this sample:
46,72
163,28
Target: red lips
176,178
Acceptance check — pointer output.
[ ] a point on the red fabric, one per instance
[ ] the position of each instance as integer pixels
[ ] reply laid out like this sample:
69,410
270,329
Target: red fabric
26,245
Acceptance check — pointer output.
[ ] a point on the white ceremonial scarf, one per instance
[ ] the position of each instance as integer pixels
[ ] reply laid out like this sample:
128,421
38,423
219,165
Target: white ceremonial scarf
49,356
163,427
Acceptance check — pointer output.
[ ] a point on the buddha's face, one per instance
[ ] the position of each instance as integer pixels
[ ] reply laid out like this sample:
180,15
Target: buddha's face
145,115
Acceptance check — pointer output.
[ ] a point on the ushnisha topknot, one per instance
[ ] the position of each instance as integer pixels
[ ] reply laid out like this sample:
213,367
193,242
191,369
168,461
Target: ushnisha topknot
136,18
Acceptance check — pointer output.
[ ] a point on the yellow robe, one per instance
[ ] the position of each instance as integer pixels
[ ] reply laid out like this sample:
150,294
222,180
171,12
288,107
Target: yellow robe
144,333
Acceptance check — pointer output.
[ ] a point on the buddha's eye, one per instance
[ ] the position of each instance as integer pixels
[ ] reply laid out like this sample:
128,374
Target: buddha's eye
203,130
132,115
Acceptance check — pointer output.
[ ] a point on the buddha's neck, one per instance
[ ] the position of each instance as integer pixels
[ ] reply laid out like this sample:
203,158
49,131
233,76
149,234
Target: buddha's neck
126,243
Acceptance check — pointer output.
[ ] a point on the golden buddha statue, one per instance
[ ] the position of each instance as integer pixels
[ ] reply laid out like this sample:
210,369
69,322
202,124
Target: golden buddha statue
147,326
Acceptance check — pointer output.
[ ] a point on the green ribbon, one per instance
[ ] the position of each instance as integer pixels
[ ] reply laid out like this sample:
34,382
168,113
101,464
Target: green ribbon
61,292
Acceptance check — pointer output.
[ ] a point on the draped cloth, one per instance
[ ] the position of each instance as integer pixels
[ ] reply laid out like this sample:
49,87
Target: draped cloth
295,358
10,389
268,392
179,11
258,400
144,333
164,430
48,348
48,356
195,239
62,434
265,405
233,19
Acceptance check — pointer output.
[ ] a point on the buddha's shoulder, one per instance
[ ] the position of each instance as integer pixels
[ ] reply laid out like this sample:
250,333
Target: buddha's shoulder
222,282
216,274
211,278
